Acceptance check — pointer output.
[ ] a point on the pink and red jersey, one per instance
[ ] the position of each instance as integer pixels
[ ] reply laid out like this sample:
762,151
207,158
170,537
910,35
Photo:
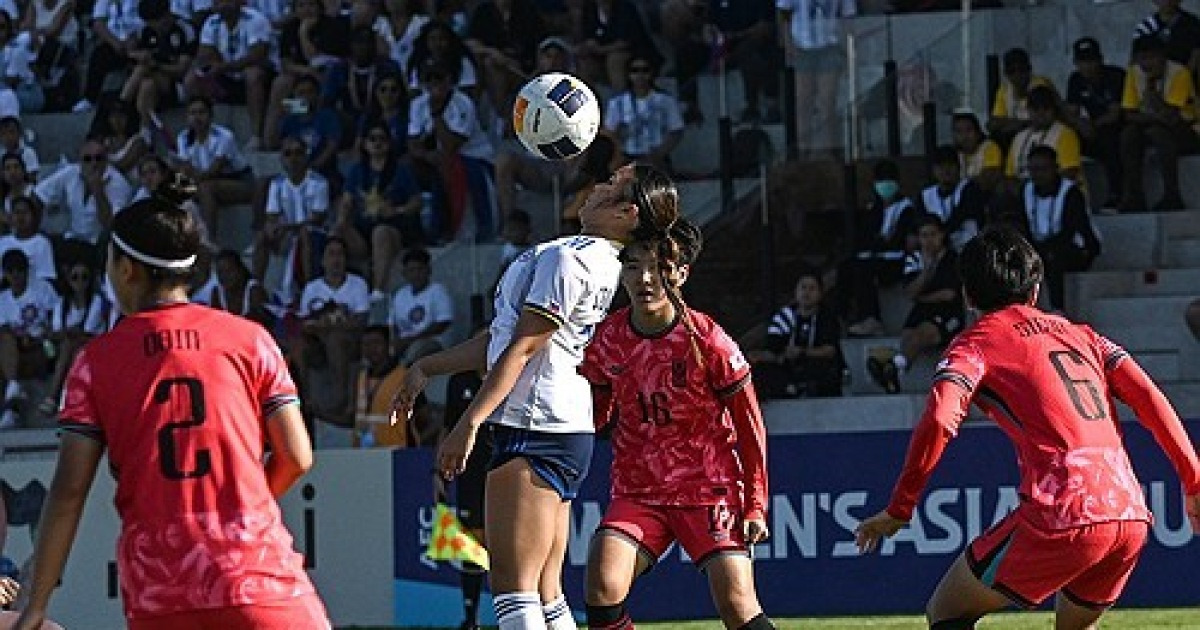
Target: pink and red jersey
1048,384
180,395
676,441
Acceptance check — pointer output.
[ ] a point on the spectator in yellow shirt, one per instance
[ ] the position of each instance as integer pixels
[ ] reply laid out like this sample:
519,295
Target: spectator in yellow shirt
1046,128
1159,103
1010,109
374,386
980,157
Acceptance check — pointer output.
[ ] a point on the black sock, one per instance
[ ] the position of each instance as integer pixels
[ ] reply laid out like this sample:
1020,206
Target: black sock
759,622
612,617
472,586
959,623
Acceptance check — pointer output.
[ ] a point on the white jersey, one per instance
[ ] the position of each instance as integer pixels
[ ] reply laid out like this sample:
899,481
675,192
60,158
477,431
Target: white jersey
570,281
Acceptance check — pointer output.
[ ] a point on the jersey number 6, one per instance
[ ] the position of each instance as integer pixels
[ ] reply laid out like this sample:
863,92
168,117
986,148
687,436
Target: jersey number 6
168,449
1077,388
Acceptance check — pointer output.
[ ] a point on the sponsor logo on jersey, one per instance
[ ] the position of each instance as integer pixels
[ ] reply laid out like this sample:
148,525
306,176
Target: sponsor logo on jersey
737,361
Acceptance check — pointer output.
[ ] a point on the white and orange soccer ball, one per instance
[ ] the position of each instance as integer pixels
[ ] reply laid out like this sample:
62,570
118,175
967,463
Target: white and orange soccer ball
556,116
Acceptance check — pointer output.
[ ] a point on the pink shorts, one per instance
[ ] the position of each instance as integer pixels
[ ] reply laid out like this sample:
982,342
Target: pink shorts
301,613
703,531
1089,564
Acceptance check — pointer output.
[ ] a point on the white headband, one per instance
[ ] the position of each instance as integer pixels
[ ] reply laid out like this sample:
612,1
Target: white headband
153,261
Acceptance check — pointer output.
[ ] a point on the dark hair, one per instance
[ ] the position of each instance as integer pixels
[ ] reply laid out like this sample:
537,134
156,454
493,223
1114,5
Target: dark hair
1043,150
1043,97
338,240
151,10
999,268
14,260
4,187
688,240
519,217
657,201
1016,59
944,154
886,169
927,219
971,118
156,227
1149,43
810,272
420,51
390,165
416,255
202,99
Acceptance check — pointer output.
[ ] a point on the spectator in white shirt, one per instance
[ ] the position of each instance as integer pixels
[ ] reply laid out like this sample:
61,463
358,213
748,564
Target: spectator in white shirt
25,220
12,140
80,314
812,44
208,154
647,121
25,308
421,310
232,63
297,204
14,182
116,24
334,310
91,192
16,65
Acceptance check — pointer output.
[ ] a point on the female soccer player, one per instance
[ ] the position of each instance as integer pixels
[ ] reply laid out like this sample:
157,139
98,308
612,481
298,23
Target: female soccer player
689,447
547,306
183,397
1082,520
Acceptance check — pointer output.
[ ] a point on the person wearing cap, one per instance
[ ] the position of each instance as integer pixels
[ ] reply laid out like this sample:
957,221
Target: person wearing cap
1159,103
1093,108
1010,108
1178,29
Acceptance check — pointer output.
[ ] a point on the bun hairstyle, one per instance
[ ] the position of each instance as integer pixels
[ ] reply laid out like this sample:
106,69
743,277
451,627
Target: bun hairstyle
657,201
159,235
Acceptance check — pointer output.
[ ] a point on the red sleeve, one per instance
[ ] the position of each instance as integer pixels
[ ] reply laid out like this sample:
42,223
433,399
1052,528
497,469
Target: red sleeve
602,406
752,449
79,413
958,374
1131,384
728,370
275,386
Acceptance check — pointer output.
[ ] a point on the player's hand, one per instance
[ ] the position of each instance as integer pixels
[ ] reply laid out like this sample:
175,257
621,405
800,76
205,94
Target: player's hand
755,531
9,589
1191,504
406,398
452,455
874,529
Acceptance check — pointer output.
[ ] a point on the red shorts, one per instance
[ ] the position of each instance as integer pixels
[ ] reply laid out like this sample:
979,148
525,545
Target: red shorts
703,530
1089,564
301,613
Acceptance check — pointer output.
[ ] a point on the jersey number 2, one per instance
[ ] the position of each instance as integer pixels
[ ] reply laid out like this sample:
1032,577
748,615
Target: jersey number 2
167,447
1079,388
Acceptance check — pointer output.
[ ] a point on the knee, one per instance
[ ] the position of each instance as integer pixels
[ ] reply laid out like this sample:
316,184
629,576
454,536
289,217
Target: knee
604,589
737,605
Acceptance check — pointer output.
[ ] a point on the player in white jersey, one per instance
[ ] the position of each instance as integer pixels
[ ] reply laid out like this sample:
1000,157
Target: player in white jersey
547,305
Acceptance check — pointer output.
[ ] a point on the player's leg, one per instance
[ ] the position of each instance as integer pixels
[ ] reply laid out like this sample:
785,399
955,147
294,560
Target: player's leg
554,604
1069,615
468,495
731,580
520,508
627,543
960,599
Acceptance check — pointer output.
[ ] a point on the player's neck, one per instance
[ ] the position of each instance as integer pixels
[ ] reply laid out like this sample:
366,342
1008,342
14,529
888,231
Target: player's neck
152,299
653,320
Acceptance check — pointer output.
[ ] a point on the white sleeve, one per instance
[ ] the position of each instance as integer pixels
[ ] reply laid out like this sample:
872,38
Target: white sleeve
612,114
30,158
320,197
441,307
418,113
306,297
460,115
95,324
273,205
557,284
258,31
467,73
56,317
119,191
674,117
44,259
181,147
50,190
100,11
227,147
359,299
208,32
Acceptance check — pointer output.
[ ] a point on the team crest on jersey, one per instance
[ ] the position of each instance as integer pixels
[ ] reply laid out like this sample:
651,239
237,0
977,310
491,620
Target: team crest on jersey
737,361
679,373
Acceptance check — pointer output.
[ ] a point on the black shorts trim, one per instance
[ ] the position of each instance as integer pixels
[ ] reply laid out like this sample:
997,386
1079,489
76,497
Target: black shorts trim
642,550
702,563
1083,603
89,431
1012,595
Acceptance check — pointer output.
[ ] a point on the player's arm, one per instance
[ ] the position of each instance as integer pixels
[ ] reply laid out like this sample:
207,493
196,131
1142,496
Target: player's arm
949,400
468,356
752,451
532,333
291,451
78,459
1132,385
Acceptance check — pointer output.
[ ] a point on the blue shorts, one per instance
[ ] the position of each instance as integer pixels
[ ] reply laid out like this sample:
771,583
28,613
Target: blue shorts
560,459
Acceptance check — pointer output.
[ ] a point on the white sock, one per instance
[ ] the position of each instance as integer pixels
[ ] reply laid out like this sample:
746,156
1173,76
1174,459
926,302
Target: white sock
519,611
901,362
558,615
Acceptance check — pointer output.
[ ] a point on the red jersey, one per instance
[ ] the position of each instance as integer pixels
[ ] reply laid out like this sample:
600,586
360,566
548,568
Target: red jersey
1048,384
179,395
676,441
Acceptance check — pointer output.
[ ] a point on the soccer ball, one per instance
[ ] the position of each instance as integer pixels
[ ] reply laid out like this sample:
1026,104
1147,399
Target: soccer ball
556,116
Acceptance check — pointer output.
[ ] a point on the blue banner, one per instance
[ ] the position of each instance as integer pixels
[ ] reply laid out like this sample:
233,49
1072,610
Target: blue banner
821,486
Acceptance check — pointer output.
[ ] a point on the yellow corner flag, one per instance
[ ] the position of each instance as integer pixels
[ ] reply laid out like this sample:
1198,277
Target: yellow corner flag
450,540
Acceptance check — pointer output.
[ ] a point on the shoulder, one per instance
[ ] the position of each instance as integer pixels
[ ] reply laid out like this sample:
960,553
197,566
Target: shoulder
355,282
212,23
